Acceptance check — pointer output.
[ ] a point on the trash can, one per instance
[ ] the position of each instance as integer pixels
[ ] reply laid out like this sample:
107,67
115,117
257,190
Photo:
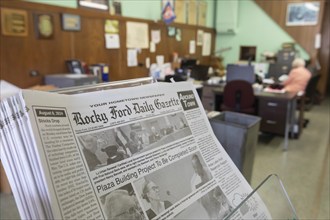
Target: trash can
238,134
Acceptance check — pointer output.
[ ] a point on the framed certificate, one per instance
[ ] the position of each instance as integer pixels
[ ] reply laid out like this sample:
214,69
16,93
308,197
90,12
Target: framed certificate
71,22
14,22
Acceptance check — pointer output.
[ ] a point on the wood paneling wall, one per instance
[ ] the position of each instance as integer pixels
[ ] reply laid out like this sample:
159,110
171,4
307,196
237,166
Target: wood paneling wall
303,35
324,53
20,55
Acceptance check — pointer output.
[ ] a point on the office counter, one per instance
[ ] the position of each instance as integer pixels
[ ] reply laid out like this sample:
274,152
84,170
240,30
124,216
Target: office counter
277,110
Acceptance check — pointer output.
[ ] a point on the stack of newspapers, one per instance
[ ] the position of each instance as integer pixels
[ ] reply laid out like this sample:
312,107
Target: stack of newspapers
143,152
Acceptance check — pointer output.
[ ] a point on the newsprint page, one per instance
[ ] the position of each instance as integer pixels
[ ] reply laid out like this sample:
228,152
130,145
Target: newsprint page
145,152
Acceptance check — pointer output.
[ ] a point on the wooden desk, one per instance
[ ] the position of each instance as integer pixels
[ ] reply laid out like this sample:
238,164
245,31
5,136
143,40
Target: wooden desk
277,110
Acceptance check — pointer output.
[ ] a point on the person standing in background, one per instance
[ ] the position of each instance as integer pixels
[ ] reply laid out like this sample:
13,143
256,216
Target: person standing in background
134,144
89,144
155,135
122,140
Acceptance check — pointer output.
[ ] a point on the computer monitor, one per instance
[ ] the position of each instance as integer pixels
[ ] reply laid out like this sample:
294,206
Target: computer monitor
200,72
188,63
278,69
240,72
261,69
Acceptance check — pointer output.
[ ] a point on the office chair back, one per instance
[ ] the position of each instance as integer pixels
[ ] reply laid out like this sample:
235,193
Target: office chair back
240,72
311,90
238,96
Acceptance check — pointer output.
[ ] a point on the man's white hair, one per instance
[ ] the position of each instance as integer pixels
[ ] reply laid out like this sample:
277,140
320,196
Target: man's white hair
298,62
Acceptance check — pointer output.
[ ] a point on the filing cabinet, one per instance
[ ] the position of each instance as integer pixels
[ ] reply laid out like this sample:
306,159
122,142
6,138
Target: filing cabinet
273,113
275,109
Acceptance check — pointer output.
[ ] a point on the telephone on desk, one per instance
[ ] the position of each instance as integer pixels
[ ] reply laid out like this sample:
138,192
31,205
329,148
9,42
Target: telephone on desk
75,66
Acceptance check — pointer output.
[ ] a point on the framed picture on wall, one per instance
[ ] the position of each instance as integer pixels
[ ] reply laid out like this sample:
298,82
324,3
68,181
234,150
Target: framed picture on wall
44,26
115,7
14,22
247,53
71,22
180,11
300,14
95,4
171,31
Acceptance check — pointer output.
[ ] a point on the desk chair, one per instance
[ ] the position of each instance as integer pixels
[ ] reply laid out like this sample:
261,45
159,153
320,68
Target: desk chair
306,101
240,72
311,91
238,96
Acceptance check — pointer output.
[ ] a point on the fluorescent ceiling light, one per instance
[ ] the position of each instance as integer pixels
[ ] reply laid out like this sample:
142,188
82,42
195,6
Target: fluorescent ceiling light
93,5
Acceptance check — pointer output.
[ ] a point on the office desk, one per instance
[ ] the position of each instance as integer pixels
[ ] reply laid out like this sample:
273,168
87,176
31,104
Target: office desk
277,110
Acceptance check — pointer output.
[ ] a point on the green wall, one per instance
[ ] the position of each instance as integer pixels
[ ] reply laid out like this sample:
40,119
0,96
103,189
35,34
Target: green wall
146,9
62,3
255,28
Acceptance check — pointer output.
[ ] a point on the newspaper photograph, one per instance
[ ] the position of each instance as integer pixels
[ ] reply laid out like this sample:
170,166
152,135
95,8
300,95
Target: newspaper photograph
110,146
146,152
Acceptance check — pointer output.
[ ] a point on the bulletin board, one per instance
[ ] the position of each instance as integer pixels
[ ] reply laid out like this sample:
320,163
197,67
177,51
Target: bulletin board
88,44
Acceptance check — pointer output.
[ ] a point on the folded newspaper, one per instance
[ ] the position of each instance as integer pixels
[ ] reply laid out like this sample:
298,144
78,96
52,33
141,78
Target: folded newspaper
145,152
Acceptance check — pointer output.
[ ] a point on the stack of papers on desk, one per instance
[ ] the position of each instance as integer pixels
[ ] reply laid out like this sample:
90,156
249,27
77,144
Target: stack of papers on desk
274,90
268,81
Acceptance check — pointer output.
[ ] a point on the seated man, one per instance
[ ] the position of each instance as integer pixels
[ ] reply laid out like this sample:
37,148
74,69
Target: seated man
298,77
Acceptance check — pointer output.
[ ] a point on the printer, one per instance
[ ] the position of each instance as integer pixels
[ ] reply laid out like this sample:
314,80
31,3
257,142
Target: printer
69,80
